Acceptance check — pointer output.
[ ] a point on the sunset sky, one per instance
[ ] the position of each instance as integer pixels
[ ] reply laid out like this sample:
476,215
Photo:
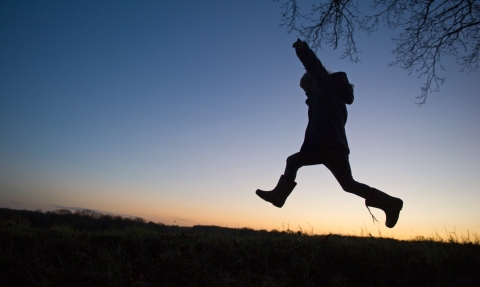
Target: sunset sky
177,111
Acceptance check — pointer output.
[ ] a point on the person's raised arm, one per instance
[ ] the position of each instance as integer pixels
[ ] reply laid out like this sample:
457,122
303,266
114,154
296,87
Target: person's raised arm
311,63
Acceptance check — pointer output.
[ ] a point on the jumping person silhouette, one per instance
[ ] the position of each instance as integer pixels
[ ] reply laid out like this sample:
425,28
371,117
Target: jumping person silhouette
325,139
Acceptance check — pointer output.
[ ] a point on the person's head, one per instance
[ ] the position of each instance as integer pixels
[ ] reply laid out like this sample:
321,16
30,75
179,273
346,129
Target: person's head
307,83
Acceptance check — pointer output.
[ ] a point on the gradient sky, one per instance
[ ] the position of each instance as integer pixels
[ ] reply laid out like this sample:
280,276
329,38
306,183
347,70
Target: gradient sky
177,111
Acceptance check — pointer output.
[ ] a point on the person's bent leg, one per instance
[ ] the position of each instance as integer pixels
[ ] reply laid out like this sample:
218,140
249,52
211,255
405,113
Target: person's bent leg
279,194
294,163
286,183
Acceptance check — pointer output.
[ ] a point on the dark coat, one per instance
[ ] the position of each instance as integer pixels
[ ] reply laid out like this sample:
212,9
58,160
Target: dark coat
327,113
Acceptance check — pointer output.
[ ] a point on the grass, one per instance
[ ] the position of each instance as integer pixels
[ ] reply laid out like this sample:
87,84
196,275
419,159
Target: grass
62,255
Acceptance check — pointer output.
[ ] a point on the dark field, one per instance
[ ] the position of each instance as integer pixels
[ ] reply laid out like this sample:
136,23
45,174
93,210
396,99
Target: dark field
87,249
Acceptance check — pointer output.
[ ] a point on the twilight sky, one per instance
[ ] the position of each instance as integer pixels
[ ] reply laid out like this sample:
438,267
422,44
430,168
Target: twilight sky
177,111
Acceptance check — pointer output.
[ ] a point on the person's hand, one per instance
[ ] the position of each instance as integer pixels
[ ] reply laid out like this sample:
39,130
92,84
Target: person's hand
299,44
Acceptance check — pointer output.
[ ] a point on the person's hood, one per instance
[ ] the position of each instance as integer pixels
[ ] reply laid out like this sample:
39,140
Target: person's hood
344,87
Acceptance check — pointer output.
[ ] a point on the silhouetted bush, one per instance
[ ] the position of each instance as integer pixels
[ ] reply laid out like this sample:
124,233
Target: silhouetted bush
81,219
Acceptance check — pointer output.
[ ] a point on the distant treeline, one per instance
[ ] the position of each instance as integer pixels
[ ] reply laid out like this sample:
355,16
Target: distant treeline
88,220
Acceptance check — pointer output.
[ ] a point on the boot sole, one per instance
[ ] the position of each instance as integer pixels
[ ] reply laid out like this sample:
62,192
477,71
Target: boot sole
397,206
264,195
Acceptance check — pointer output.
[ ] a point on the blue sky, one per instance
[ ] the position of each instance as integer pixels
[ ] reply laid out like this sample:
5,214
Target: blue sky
177,111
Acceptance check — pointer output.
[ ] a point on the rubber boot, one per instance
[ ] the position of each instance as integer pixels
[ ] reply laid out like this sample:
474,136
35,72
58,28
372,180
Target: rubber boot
389,204
279,194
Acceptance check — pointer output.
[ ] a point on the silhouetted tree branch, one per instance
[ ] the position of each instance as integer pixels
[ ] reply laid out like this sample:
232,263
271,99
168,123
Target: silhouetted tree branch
430,30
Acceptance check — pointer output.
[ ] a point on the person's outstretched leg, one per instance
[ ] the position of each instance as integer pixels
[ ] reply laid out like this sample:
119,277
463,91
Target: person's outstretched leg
339,165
